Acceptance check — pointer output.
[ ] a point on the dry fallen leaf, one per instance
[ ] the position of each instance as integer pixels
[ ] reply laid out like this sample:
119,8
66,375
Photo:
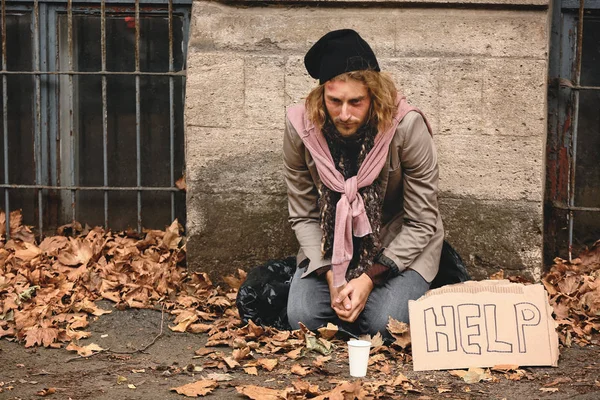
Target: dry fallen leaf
46,391
505,367
329,331
497,276
198,388
267,363
297,369
85,351
473,375
261,393
305,387
251,370
400,331
549,390
219,377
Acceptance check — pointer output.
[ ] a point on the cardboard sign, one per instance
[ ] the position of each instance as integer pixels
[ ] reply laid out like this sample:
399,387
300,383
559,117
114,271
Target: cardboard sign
482,324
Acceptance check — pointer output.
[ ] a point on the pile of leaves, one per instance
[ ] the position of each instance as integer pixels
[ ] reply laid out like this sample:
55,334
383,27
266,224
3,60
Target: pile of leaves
574,289
48,290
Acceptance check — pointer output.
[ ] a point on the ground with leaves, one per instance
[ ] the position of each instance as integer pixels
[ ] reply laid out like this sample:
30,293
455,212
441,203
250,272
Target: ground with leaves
89,314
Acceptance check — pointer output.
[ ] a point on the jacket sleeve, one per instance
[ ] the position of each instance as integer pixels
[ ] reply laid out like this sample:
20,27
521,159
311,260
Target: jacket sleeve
418,159
302,200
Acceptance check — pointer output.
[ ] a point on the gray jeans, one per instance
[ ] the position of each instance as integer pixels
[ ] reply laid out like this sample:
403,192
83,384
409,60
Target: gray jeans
309,302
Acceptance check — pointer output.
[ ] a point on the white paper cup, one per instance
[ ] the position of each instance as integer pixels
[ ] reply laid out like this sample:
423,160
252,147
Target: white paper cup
358,356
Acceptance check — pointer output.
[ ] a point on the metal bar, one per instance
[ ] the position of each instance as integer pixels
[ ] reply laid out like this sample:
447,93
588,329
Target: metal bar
120,73
38,114
567,83
137,115
125,3
104,110
171,113
109,188
573,166
5,121
71,110
562,206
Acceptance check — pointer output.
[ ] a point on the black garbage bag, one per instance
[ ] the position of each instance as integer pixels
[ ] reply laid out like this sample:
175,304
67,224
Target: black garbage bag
263,296
452,268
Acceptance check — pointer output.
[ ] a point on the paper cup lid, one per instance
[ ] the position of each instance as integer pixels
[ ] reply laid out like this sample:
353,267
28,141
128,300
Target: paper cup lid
359,343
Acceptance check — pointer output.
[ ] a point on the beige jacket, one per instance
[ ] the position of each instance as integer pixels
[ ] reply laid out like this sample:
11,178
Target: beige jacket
412,233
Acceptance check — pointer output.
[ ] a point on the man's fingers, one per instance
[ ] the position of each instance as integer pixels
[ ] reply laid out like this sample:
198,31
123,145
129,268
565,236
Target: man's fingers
343,296
347,303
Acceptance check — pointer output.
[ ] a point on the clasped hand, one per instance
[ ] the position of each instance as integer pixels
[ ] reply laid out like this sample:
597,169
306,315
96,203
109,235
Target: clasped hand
349,300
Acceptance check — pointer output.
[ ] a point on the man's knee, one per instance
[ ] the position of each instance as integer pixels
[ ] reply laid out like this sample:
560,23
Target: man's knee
311,317
377,319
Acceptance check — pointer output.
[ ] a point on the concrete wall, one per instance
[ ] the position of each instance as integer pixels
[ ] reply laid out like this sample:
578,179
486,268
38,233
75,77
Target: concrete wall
478,73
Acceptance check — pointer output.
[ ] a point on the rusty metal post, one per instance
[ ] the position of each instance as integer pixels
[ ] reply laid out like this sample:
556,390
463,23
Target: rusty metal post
171,112
5,121
38,114
71,94
573,166
104,110
137,115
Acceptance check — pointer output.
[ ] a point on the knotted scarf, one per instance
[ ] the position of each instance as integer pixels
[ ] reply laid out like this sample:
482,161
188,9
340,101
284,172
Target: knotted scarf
350,217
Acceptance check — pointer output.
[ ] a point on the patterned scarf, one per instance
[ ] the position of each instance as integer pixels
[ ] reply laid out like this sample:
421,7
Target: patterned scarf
348,155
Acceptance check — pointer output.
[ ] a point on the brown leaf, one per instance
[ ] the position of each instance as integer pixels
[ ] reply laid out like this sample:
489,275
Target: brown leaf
294,354
400,379
562,379
41,336
219,377
267,363
171,238
261,393
198,388
328,331
297,369
181,184
184,320
505,367
550,390
342,391
305,387
46,391
497,276
27,251
400,331
231,363
85,351
240,354
199,328
251,370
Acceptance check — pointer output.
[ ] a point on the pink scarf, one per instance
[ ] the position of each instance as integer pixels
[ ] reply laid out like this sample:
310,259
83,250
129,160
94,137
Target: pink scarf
350,216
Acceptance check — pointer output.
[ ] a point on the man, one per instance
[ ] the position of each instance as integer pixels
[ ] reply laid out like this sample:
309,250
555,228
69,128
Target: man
362,178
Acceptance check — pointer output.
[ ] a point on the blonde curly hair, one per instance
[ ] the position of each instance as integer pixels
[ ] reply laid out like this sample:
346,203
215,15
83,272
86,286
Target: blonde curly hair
381,89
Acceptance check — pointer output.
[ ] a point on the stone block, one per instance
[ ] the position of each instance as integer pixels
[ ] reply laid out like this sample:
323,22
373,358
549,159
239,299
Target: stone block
233,159
263,93
285,30
491,167
514,94
240,231
459,33
491,235
417,79
214,89
297,81
461,95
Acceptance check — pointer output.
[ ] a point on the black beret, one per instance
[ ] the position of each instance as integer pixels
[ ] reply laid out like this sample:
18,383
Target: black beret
338,52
